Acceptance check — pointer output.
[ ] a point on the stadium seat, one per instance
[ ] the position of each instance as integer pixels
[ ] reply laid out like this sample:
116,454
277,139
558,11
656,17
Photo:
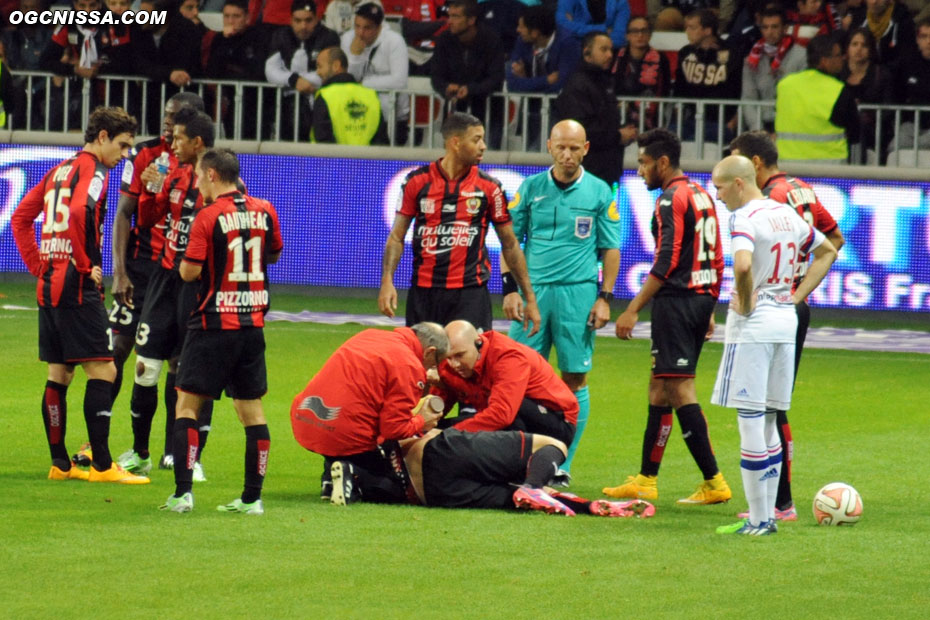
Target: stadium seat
907,158
213,21
711,151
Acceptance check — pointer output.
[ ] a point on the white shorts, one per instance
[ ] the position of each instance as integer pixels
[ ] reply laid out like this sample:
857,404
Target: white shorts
755,376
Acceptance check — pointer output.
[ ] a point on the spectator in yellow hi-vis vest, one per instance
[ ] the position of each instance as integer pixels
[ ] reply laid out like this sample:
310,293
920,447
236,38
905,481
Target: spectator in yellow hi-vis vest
816,118
345,112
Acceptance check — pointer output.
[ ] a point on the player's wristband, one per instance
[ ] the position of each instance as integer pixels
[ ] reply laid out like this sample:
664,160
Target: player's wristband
607,296
508,284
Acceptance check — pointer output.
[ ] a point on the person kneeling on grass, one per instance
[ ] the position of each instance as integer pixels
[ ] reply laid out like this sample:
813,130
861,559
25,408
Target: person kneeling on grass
459,469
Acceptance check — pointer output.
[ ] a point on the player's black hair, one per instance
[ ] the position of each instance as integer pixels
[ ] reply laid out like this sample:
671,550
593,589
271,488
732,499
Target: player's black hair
658,142
114,120
196,125
588,41
707,17
188,100
539,18
222,161
458,123
757,144
820,47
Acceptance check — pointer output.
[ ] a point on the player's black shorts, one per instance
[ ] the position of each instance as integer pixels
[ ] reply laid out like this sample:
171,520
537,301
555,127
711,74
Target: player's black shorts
169,302
70,335
123,319
442,305
216,359
475,470
679,325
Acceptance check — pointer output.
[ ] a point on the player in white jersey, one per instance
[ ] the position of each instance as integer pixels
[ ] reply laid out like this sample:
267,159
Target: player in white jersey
768,241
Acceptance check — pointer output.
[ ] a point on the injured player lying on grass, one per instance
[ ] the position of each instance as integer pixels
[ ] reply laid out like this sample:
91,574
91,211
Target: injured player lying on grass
458,469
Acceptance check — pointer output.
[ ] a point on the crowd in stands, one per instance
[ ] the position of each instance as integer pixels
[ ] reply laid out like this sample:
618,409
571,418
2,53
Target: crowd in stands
736,50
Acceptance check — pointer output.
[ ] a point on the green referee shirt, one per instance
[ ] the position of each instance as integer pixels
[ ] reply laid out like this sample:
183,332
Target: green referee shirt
562,230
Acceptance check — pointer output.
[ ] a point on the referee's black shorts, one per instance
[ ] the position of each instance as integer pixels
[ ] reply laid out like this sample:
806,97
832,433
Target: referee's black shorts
475,470
442,305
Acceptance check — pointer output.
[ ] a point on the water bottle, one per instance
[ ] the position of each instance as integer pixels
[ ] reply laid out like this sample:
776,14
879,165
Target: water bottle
162,165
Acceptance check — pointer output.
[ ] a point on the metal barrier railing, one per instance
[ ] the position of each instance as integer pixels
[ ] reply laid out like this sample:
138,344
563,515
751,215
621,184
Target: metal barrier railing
515,121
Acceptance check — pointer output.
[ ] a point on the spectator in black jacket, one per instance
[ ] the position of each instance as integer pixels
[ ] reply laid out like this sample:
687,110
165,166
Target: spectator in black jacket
23,48
238,54
588,97
892,26
170,55
912,87
707,69
291,62
468,66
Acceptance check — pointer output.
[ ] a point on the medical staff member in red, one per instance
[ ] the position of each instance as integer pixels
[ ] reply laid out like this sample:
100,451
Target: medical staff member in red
368,389
511,386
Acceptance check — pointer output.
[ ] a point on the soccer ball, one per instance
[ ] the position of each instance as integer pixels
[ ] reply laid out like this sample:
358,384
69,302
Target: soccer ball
837,504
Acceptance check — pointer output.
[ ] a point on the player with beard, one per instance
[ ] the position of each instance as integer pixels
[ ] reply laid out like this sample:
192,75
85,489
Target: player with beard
453,203
169,300
683,284
136,250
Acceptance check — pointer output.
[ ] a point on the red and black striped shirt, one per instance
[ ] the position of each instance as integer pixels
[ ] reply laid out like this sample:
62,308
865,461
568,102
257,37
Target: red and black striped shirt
231,239
451,219
73,196
689,257
176,204
144,242
800,196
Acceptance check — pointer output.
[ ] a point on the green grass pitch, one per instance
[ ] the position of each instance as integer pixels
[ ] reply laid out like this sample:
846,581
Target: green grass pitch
76,550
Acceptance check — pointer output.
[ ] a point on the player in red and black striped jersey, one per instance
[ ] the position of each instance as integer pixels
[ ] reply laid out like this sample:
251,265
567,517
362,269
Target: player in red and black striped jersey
775,184
232,242
452,203
169,300
136,249
67,262
684,284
